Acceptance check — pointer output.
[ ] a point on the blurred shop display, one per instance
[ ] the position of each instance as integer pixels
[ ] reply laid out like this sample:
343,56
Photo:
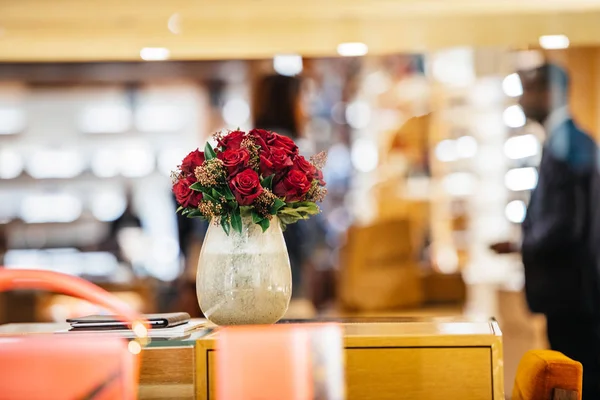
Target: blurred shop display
380,268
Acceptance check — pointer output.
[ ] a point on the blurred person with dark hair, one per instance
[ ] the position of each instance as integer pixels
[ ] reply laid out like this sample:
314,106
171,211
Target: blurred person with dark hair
278,108
561,277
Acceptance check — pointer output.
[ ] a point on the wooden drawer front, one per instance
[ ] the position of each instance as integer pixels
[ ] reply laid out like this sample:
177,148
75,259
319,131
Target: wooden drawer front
433,373
212,381
168,373
419,373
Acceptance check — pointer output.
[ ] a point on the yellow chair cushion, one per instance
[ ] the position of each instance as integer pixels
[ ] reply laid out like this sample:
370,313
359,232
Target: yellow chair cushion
541,371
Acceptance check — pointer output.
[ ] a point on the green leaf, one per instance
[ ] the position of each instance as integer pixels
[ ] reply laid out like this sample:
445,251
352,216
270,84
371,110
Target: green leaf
267,182
208,197
276,206
293,212
256,218
287,220
216,194
236,220
197,187
304,204
246,211
290,212
228,194
209,153
179,209
264,224
187,211
194,214
225,224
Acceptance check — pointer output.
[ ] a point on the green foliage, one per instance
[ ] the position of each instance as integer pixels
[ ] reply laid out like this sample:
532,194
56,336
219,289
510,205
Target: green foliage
197,187
209,153
209,197
236,220
256,218
195,213
294,212
225,224
264,224
276,206
267,182
227,193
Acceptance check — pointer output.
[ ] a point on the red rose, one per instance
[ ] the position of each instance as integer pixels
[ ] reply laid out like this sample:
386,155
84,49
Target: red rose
293,187
275,161
266,165
191,161
232,140
259,139
185,196
262,135
306,167
283,142
246,187
234,159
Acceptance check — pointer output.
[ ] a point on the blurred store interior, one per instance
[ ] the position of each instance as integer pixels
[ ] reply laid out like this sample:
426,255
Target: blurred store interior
430,158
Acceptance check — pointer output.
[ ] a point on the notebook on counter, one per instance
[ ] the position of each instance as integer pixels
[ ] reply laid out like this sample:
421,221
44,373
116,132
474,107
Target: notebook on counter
110,322
191,327
163,326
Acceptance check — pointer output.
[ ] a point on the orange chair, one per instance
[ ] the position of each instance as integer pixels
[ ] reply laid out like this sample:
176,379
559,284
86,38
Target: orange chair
547,375
68,366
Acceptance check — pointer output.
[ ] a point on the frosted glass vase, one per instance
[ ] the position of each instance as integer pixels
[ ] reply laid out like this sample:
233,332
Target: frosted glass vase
244,278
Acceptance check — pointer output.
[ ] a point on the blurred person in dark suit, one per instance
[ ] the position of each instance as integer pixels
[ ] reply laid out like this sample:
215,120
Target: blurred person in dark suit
561,275
278,108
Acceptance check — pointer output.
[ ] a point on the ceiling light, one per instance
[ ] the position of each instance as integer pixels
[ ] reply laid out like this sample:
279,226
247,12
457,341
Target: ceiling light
174,24
512,85
154,53
514,117
554,42
12,120
11,164
466,146
445,150
521,147
515,211
352,49
287,64
521,179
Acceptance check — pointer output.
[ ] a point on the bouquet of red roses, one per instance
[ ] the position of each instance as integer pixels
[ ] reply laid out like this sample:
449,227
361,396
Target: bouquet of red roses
258,174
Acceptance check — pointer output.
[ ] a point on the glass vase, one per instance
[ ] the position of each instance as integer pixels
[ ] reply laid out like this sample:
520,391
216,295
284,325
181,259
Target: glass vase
244,278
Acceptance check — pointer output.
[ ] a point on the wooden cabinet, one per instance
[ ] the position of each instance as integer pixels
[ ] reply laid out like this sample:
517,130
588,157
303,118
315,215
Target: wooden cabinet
440,359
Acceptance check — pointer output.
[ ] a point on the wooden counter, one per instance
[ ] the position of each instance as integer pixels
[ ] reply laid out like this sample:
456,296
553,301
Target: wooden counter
436,359
386,359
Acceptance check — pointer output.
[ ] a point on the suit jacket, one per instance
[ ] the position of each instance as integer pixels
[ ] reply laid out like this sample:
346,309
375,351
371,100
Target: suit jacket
561,275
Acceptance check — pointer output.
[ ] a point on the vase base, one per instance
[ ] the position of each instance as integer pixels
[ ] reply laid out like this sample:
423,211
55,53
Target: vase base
246,308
